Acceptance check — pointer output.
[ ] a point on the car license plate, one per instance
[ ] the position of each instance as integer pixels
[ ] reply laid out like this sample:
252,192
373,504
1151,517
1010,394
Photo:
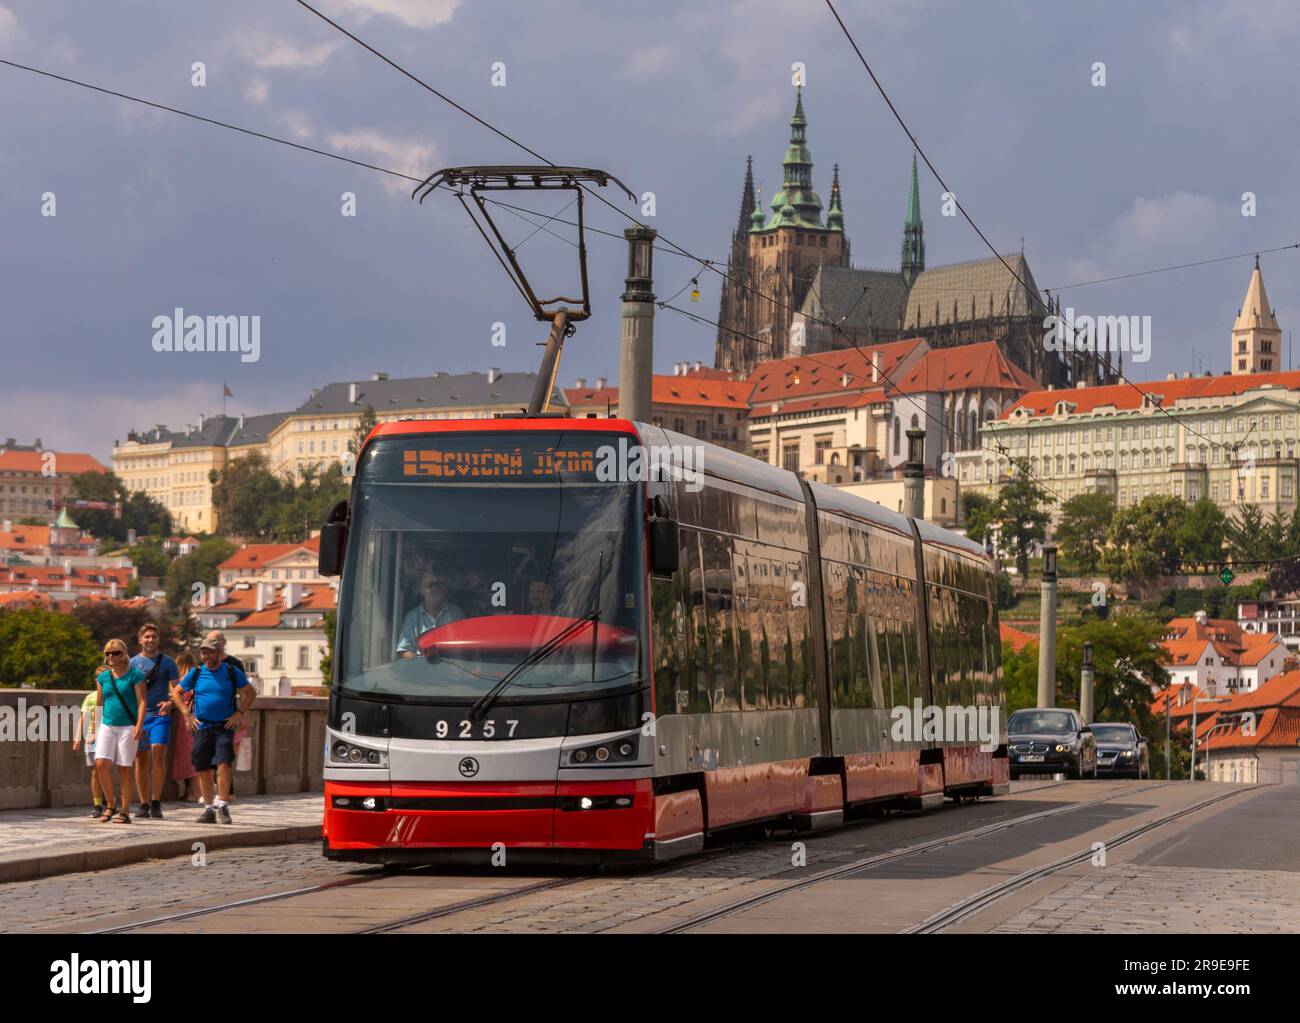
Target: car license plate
1032,758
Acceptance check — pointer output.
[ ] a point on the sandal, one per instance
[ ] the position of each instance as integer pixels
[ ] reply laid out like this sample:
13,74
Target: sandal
122,817
108,814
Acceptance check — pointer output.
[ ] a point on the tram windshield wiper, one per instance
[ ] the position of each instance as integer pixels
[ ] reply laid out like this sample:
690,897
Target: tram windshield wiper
485,701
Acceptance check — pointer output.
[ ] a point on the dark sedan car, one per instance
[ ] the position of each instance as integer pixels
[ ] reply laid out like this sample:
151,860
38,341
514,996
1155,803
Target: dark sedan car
1121,751
1050,741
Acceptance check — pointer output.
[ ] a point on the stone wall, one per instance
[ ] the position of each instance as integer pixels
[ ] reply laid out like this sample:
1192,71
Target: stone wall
286,733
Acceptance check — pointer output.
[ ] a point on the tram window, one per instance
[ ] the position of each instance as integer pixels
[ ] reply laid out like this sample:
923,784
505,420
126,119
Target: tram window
743,517
722,643
880,697
698,662
687,503
892,692
839,603
797,612
753,691
778,634
668,613
715,508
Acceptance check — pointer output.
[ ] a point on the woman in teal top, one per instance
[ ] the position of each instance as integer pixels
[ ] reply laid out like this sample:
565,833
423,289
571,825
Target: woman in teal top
122,707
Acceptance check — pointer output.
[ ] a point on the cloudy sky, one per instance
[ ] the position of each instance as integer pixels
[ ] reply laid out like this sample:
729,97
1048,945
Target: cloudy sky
156,212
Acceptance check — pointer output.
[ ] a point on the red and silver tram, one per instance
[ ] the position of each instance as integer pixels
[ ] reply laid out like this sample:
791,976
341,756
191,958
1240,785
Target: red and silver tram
594,636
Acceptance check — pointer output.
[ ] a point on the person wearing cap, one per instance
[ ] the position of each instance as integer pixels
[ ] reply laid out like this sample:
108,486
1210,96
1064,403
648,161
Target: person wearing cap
222,697
160,675
122,706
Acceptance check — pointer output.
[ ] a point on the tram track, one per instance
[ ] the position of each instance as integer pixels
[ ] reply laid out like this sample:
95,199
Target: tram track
880,859
550,884
980,901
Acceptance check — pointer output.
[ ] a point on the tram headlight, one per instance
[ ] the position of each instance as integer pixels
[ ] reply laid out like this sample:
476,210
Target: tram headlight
345,753
609,754
585,802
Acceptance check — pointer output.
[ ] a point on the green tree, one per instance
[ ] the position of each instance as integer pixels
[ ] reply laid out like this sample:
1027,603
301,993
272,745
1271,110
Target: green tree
199,566
1004,592
248,496
46,650
977,512
1246,534
1125,657
1083,527
364,426
1202,533
306,505
1021,517
139,511
109,619
1020,676
328,622
1143,540
149,558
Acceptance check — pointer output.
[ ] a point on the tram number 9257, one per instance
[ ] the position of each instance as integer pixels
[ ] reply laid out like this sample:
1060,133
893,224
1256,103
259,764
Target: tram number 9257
465,729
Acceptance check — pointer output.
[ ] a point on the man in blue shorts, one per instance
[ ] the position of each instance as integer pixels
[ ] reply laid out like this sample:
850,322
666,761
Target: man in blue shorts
222,697
160,675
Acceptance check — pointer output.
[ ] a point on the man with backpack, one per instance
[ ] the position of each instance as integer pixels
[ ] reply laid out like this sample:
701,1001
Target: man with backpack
160,675
222,697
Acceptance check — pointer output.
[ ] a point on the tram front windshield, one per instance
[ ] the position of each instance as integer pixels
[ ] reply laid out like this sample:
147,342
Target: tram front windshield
470,553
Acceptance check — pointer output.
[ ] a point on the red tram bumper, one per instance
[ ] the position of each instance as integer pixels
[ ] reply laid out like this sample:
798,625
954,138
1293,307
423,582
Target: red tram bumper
410,817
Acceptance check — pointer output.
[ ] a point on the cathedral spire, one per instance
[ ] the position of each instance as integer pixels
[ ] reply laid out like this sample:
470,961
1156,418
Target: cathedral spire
747,201
835,216
913,261
795,203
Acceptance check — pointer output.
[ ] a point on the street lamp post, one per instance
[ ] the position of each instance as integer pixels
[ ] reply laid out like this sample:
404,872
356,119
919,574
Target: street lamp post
1085,685
637,350
914,475
1047,632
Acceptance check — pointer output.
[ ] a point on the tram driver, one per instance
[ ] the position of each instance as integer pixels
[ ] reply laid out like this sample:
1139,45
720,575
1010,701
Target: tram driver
434,610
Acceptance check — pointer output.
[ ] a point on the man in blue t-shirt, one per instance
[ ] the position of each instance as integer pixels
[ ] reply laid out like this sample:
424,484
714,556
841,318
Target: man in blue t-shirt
160,675
222,697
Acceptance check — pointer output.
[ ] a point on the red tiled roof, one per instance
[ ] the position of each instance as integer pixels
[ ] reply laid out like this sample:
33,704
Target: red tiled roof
1129,396
255,555
314,598
1018,639
977,366
823,373
834,401
1195,696
692,390
66,463
48,576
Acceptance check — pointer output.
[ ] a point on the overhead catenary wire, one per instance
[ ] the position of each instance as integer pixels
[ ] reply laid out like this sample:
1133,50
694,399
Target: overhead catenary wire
674,250
984,238
707,264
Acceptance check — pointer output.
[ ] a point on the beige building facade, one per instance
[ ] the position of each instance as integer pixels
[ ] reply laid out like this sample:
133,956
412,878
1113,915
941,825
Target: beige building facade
176,467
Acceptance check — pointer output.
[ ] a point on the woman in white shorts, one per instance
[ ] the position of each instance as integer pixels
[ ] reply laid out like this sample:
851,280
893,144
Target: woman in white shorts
122,708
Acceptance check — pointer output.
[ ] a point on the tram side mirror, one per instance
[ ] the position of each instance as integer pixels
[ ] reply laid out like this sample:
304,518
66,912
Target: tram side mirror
663,539
333,539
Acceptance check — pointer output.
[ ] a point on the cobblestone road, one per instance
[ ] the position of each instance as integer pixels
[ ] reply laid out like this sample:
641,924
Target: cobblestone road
1128,898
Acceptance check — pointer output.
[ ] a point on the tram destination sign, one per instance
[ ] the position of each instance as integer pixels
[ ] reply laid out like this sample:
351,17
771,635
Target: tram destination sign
535,457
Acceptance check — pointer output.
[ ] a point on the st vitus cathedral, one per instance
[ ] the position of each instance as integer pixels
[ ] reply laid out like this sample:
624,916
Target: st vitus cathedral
789,267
